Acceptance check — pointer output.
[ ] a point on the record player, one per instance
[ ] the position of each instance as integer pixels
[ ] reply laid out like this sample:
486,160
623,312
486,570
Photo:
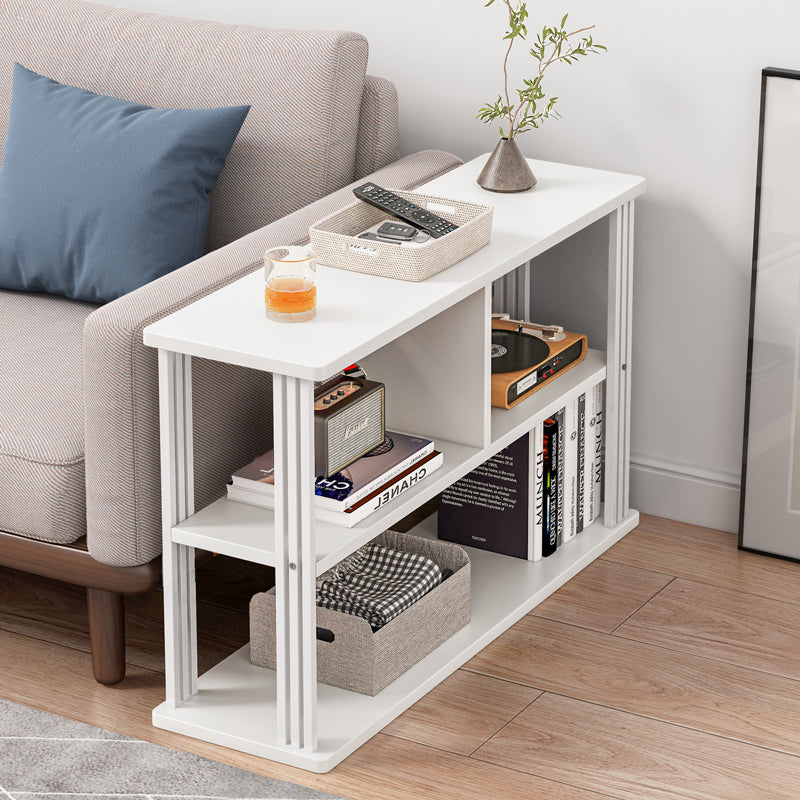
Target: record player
526,356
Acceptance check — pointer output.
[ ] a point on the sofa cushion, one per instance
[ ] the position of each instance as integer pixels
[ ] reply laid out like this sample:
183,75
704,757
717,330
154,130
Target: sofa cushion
99,196
298,142
41,416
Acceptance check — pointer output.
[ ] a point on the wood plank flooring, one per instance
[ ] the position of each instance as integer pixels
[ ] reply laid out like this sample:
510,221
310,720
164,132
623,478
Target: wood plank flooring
668,669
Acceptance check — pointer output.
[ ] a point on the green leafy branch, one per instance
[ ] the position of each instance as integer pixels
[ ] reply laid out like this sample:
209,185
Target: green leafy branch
553,45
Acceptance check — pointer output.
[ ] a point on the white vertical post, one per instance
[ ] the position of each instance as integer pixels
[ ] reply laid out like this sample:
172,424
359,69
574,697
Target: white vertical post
618,364
177,480
512,297
511,294
295,570
523,277
499,296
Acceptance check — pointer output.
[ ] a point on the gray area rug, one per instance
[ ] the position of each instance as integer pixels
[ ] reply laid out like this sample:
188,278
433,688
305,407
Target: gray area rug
45,757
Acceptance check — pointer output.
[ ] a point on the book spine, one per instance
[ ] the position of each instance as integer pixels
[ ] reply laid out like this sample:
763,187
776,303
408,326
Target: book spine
599,446
531,496
364,491
570,453
339,506
537,470
581,448
588,462
383,496
352,517
559,417
550,452
591,509
253,486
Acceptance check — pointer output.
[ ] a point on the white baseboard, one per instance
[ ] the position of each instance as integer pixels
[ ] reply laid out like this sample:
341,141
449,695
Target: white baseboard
686,494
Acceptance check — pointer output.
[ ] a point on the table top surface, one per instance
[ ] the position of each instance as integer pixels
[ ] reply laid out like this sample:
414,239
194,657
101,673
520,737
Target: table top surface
357,314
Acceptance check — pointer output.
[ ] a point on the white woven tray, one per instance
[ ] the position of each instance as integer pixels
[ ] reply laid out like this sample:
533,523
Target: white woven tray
334,242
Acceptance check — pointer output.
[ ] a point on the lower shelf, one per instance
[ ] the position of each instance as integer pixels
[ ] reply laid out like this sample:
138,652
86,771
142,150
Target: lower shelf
235,703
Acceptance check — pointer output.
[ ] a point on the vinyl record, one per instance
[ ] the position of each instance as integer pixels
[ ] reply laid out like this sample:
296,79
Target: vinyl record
512,351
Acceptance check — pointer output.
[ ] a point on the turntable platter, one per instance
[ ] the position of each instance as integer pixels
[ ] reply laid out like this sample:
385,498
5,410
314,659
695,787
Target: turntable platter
512,351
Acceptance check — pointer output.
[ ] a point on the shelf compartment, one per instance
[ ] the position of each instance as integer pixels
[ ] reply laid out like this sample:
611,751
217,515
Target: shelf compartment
508,424
248,532
235,704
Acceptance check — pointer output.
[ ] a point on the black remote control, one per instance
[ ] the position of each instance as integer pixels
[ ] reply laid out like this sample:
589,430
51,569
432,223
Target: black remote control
404,210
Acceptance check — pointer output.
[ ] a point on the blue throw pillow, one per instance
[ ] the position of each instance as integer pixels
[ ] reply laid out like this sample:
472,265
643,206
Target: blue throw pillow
99,196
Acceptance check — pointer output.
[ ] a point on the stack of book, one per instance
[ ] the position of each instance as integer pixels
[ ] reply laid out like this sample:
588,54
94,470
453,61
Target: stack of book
396,465
537,494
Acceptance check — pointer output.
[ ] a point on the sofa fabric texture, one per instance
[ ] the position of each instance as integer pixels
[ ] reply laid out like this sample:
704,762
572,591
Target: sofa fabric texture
41,416
298,142
99,196
378,127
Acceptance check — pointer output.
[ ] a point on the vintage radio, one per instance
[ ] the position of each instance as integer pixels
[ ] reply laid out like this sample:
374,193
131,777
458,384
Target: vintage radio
348,421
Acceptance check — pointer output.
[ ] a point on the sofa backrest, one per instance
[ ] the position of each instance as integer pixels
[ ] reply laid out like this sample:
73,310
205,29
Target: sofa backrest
298,142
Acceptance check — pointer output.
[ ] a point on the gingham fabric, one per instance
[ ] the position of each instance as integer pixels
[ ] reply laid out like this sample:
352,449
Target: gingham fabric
298,142
41,416
377,583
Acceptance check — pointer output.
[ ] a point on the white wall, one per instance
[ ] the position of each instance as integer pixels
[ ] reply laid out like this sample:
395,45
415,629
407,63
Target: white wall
675,99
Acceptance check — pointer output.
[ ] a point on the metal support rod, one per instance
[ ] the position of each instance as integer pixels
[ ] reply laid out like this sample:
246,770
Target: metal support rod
618,365
295,573
511,294
177,478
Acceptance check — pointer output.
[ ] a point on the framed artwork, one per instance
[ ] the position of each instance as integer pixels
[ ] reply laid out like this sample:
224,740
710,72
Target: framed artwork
769,520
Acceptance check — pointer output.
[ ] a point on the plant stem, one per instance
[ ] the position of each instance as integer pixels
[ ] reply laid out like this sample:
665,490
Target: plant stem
554,56
505,74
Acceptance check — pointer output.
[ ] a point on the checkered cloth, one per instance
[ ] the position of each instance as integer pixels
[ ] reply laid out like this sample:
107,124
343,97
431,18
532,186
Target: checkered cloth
377,583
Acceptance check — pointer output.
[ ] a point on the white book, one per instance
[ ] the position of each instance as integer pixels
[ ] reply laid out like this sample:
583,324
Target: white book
582,498
536,506
347,519
599,446
560,522
570,453
591,506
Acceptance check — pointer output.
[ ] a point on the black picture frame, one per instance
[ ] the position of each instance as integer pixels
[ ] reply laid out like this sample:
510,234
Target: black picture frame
769,513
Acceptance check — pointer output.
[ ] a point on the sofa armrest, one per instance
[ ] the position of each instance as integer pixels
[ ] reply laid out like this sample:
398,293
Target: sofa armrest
378,142
233,420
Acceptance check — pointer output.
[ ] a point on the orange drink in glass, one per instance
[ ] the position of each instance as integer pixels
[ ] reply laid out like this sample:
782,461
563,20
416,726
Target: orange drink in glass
290,292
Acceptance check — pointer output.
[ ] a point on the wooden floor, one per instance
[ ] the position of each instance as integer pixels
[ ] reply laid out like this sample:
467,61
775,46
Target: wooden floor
667,669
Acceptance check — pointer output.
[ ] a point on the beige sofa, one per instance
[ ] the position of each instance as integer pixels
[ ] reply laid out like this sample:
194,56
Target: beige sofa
79,455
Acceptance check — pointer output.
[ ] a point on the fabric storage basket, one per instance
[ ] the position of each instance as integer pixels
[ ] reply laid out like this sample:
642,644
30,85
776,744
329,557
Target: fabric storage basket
335,243
364,661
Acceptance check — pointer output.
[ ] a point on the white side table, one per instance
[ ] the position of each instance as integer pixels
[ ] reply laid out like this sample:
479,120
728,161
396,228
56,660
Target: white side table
429,343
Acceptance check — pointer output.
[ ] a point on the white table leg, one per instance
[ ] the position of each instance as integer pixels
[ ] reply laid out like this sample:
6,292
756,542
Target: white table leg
618,364
512,293
177,480
295,573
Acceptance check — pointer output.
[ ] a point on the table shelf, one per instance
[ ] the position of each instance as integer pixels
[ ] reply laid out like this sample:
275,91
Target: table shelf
245,531
235,703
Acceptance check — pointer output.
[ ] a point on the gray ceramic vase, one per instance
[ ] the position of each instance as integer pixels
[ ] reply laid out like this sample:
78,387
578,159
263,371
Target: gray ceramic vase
506,170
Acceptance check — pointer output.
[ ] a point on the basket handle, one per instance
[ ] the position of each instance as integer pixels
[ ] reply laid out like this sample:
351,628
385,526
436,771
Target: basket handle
361,249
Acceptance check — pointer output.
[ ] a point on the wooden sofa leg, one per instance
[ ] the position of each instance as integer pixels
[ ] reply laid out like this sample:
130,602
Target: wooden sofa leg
107,634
